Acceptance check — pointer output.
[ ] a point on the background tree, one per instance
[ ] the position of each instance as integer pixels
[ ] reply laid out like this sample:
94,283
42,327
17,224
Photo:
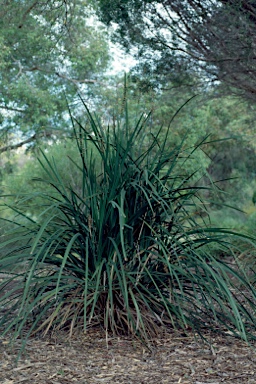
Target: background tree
50,48
48,51
215,38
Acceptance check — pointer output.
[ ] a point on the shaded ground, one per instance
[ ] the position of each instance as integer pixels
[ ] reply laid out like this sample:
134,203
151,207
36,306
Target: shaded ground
87,359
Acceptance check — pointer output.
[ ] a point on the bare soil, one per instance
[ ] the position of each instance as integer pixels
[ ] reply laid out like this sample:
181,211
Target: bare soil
89,359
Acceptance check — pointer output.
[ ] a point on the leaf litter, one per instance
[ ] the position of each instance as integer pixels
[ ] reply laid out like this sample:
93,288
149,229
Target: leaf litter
88,359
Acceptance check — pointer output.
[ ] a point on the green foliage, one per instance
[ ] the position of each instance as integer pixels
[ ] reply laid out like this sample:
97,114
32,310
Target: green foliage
49,52
23,182
24,185
126,250
211,40
189,125
229,123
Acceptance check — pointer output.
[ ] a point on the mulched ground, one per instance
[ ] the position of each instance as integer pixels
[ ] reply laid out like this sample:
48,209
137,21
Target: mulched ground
88,359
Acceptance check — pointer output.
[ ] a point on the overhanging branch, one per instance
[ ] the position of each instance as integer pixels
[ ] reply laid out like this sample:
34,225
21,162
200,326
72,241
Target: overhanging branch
18,145
12,109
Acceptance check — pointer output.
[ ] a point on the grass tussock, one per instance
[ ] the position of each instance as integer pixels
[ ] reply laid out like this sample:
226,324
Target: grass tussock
125,250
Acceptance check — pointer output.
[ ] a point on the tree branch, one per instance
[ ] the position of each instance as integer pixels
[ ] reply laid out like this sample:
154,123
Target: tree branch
60,75
20,144
12,109
27,12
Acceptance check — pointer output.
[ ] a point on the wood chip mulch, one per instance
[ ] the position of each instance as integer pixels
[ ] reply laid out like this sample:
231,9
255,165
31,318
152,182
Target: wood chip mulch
88,359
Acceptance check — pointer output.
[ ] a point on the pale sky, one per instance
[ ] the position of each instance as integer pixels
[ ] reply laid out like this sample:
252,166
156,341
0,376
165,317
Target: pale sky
121,61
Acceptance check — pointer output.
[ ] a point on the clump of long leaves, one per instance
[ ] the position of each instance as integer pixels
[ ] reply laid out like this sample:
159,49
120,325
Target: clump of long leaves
125,251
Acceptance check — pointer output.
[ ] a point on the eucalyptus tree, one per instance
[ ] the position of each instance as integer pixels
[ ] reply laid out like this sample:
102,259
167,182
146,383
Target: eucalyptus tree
49,50
213,37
